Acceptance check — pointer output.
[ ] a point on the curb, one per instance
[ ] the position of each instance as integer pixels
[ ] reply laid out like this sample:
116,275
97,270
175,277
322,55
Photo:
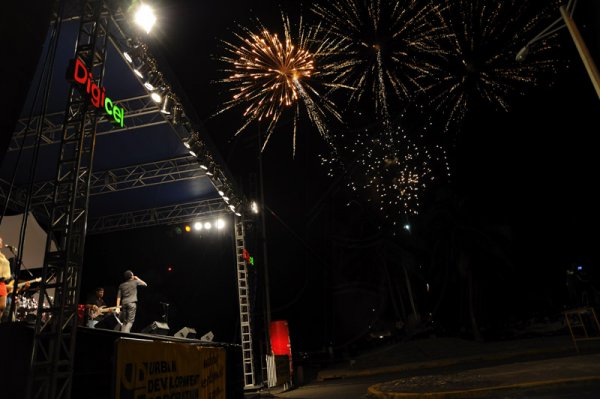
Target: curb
374,391
341,373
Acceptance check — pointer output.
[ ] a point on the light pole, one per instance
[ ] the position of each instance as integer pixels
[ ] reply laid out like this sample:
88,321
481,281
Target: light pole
566,18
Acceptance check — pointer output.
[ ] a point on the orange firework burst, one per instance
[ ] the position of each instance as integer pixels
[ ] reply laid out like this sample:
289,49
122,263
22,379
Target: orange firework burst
269,75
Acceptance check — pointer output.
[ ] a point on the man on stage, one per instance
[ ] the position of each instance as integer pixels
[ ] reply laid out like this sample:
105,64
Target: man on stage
127,299
94,306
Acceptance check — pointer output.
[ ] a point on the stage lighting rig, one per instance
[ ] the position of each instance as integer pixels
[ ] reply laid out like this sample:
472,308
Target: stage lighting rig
144,17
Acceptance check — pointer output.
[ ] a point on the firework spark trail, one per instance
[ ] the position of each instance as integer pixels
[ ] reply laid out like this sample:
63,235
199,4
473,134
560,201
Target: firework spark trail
391,168
385,43
269,75
479,64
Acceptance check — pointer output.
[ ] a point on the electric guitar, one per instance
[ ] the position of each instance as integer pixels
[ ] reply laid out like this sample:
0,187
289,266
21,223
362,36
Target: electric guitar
101,310
11,287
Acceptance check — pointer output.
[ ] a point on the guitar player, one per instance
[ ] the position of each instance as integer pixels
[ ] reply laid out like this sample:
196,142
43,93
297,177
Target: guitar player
7,284
94,305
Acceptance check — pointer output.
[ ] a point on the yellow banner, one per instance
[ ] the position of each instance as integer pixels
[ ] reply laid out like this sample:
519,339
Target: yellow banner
167,370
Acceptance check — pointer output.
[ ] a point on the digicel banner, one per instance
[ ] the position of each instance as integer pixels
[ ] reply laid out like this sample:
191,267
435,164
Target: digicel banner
97,94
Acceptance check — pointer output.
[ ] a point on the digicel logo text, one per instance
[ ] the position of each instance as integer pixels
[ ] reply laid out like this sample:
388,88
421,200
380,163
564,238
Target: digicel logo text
97,94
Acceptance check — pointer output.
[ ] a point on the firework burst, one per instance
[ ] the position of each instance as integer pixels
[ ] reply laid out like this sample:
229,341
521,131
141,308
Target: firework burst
480,63
269,75
385,41
391,168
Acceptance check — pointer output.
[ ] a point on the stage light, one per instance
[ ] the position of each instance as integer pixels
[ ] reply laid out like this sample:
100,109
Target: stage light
220,224
165,109
156,97
204,167
144,17
170,269
238,214
153,81
232,207
207,225
197,226
187,228
177,113
221,193
140,68
226,198
254,207
127,57
407,227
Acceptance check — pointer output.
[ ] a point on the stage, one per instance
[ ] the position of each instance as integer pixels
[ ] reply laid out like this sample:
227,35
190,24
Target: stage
111,364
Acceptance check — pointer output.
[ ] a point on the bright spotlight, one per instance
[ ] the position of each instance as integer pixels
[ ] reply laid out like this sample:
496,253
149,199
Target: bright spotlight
138,73
407,227
220,224
156,97
197,226
254,207
207,225
187,229
127,57
144,17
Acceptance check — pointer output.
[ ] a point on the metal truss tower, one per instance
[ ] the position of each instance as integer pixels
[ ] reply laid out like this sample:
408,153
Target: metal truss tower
56,324
244,301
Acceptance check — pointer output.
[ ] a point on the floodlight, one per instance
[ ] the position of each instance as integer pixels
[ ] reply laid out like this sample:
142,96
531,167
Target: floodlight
153,81
144,17
197,226
156,97
220,224
207,225
165,110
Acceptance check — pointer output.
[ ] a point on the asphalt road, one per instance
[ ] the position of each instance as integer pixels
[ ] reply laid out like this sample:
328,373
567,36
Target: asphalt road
356,388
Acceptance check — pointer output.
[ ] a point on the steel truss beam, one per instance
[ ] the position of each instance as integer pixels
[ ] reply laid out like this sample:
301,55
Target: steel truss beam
140,112
52,357
127,178
172,214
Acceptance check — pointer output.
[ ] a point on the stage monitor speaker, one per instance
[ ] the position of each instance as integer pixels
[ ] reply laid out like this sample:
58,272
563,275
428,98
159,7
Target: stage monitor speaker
207,337
186,332
156,327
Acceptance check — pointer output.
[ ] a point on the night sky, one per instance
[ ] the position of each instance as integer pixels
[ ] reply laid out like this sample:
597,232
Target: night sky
525,177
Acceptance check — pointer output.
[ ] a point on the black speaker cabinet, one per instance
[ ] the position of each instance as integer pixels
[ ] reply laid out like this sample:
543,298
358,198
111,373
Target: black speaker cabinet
156,327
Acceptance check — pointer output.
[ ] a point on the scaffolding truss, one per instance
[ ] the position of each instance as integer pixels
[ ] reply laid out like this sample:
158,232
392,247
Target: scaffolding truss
55,328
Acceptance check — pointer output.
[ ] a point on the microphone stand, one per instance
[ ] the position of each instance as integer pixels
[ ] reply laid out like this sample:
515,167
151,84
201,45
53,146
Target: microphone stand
165,315
21,264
